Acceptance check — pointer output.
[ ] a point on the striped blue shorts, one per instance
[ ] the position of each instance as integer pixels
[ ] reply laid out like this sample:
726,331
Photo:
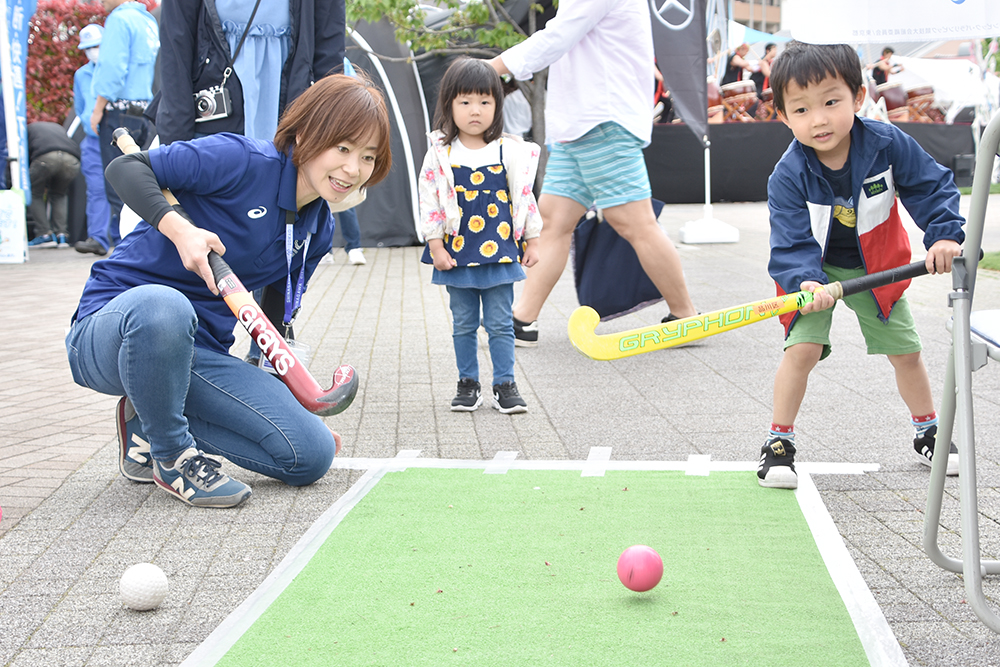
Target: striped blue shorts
603,167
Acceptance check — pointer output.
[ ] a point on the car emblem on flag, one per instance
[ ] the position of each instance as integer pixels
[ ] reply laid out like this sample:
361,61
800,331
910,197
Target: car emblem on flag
682,10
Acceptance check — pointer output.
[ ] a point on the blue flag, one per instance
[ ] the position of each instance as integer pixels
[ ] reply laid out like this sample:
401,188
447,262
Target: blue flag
19,12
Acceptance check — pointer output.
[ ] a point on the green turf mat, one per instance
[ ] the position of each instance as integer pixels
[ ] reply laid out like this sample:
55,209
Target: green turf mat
437,567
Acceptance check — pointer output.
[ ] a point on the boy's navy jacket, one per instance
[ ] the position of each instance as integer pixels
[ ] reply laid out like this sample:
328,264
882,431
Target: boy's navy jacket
884,161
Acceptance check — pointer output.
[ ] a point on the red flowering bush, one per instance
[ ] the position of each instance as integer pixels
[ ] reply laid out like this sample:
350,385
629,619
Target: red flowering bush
53,56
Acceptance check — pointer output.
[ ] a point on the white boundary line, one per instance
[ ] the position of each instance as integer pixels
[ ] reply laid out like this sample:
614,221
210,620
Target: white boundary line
217,644
876,636
597,461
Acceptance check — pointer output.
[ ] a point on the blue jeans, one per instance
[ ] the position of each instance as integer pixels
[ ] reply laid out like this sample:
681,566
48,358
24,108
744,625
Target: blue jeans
498,320
349,229
141,345
98,209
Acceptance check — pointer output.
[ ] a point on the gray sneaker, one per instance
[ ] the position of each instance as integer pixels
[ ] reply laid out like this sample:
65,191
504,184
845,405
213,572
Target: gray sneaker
91,245
134,461
196,480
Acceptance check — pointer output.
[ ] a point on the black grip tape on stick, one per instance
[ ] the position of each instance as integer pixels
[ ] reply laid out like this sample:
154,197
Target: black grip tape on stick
878,279
219,267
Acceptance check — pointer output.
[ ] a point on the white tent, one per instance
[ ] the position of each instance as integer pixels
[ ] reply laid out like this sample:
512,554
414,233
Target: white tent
957,83
889,21
897,21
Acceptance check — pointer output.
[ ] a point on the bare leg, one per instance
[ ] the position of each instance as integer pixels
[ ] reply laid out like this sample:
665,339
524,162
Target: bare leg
913,383
791,379
636,223
559,216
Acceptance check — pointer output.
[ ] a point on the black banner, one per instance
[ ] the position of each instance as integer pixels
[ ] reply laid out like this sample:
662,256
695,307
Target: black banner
681,54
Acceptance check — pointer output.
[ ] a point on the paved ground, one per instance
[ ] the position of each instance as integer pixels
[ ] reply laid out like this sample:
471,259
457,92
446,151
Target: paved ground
71,524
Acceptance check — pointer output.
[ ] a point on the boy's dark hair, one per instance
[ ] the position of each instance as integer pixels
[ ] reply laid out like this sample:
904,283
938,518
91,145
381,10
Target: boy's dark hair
464,76
811,63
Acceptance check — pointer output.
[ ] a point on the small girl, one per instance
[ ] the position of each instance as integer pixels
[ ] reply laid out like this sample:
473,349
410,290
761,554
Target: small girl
481,222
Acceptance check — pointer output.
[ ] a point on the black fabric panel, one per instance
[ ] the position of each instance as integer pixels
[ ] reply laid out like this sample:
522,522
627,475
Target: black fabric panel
744,154
387,217
943,142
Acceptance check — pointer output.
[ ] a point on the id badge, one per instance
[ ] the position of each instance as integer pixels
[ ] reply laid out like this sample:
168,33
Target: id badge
302,352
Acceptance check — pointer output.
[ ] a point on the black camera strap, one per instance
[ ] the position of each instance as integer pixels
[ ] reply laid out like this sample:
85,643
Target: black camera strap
229,67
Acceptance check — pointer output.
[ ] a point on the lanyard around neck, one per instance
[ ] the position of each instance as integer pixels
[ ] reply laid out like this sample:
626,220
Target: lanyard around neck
293,299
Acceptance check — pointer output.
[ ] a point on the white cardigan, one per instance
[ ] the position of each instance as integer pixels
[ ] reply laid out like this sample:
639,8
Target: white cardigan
439,210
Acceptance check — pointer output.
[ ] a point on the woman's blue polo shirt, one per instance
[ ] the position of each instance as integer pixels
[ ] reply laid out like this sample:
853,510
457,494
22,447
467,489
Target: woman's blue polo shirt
240,189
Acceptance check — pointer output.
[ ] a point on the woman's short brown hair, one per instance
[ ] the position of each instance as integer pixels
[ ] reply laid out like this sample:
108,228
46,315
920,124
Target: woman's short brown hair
336,108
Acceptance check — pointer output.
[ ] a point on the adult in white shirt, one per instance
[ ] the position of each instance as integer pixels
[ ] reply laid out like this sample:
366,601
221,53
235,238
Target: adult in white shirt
598,118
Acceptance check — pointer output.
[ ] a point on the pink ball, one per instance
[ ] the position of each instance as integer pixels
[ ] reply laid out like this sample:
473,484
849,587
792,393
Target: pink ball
640,568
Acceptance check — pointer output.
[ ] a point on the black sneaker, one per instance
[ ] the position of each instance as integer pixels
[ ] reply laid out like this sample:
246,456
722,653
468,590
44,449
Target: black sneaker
91,245
507,400
777,465
669,318
525,333
469,396
923,445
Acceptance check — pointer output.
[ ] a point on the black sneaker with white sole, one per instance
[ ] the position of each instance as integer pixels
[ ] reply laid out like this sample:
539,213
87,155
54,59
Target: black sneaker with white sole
923,445
525,333
777,465
507,399
469,396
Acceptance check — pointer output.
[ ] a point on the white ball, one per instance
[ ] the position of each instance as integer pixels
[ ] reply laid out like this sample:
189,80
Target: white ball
143,587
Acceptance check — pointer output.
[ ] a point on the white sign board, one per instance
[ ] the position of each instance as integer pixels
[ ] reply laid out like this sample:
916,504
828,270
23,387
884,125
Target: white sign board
891,21
13,233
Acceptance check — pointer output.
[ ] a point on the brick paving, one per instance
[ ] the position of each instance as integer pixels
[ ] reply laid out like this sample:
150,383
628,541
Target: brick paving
71,524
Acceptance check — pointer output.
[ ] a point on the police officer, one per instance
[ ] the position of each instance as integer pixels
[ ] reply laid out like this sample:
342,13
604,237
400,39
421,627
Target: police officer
123,82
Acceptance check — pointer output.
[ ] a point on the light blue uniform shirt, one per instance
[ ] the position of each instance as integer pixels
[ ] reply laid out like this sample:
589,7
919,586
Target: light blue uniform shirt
84,96
128,54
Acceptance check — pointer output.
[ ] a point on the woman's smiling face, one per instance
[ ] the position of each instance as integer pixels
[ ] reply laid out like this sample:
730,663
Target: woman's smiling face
336,172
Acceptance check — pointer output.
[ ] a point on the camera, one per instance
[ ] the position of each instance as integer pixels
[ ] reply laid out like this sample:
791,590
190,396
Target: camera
211,104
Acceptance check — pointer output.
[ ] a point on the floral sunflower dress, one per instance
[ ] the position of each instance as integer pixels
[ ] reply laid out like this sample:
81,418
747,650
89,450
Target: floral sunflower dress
484,248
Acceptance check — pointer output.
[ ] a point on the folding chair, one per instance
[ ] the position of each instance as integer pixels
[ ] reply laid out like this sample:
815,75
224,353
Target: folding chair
975,339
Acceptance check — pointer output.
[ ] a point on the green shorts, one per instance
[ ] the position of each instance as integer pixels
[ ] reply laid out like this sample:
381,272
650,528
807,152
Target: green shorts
897,336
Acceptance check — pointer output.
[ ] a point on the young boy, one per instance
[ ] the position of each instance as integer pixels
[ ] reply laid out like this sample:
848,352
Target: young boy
832,201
